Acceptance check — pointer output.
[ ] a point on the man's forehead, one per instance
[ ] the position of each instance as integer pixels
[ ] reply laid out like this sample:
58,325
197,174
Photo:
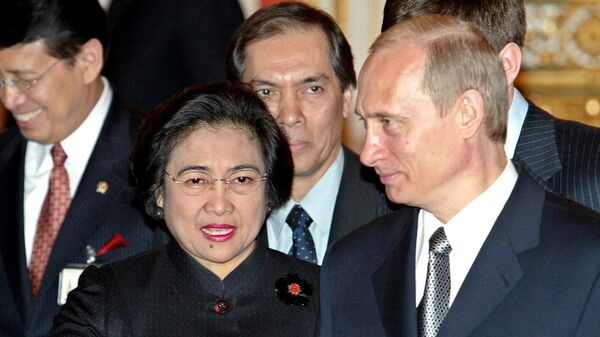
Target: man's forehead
23,57
266,61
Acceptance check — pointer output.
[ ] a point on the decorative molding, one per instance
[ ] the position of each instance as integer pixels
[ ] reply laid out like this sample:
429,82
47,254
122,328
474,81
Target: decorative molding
561,58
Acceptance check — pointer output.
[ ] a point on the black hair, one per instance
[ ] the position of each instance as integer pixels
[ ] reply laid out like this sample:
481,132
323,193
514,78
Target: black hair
214,105
282,18
63,25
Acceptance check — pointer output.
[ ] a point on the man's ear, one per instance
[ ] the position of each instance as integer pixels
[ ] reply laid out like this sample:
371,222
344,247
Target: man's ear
91,60
511,61
347,97
470,113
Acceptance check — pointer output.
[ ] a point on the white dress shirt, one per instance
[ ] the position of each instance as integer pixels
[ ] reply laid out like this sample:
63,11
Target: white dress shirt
319,203
105,4
516,117
38,163
466,231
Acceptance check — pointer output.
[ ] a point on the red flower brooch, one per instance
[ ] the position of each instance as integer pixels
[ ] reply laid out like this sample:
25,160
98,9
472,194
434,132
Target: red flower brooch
292,290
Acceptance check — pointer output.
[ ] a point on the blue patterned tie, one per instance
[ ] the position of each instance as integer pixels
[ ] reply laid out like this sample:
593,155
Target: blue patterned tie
434,305
304,246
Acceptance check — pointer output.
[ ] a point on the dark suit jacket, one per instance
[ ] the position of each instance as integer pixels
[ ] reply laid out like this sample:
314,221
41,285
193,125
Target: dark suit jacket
358,201
168,293
93,219
563,156
159,47
537,274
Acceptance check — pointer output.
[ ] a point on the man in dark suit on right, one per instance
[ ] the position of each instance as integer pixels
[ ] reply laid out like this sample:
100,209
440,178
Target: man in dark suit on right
485,251
300,64
563,156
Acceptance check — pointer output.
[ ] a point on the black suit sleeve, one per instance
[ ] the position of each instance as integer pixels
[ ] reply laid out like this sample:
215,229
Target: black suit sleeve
84,312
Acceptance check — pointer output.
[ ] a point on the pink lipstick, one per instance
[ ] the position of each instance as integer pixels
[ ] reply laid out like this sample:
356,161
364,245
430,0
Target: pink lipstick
218,232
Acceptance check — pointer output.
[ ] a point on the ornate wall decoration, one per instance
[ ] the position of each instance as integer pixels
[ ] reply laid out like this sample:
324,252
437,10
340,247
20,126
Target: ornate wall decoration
561,58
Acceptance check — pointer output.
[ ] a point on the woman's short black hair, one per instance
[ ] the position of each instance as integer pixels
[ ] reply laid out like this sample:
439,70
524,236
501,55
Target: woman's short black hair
213,105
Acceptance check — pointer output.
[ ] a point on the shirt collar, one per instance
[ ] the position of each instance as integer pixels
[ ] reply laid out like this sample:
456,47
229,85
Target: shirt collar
84,137
516,117
474,222
319,202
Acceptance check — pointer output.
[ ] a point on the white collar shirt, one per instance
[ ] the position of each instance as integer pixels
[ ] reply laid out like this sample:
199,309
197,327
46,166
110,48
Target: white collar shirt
105,4
466,232
38,163
516,118
319,203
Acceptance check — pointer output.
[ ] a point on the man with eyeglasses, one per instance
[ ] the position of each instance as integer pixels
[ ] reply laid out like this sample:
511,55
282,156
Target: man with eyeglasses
299,63
64,197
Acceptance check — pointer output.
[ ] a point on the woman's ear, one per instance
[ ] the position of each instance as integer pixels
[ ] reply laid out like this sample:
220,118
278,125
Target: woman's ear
158,196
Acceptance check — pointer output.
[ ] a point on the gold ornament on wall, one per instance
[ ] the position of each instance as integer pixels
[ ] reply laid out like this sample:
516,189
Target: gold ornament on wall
561,59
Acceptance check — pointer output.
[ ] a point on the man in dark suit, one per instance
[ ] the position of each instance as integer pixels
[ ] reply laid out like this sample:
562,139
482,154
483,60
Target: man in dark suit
562,156
158,48
309,91
64,197
485,251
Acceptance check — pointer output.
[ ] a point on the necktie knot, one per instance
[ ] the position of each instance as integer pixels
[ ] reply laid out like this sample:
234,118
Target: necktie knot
58,155
438,243
298,218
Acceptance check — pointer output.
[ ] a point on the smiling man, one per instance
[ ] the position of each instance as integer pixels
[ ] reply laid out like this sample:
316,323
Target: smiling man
485,250
300,64
63,188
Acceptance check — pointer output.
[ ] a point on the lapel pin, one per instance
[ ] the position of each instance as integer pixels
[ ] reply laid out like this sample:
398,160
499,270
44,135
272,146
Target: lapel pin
90,254
102,187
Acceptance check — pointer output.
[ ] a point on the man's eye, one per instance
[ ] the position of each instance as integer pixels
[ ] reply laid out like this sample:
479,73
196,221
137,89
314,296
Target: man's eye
315,89
264,92
387,121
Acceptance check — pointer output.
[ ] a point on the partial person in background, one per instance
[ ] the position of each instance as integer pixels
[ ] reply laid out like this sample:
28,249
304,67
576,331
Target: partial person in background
211,163
485,251
563,156
300,64
157,48
64,188
4,118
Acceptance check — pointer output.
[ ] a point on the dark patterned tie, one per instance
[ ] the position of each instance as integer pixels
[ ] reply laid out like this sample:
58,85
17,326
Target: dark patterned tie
303,246
434,305
53,212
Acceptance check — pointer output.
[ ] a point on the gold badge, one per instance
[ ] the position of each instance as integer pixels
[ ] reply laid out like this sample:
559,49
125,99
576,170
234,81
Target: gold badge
102,187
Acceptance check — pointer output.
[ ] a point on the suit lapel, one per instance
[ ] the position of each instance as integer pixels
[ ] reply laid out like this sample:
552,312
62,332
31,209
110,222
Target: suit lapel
394,279
348,215
12,240
496,270
536,148
85,211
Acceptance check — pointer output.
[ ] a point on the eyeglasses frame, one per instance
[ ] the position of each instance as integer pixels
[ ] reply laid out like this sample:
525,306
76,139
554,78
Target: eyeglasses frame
227,181
28,83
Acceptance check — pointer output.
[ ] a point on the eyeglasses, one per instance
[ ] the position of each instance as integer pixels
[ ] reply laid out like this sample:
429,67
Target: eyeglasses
195,183
25,85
